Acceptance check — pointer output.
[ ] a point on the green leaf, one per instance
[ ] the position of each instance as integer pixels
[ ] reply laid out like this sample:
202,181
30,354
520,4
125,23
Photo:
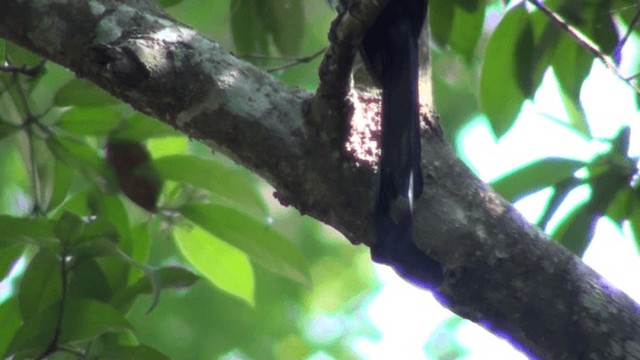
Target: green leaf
16,230
571,65
166,4
577,118
83,94
69,227
141,245
10,320
61,185
112,211
19,56
634,218
8,257
44,173
621,206
227,184
576,229
225,266
103,247
535,176
249,34
605,187
41,284
457,25
287,24
258,239
503,80
84,159
94,248
169,277
93,121
456,101
560,192
83,319
620,143
88,280
138,352
7,129
3,47
139,127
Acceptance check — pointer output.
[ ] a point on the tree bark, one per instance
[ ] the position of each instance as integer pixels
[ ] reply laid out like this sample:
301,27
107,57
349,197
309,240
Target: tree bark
499,271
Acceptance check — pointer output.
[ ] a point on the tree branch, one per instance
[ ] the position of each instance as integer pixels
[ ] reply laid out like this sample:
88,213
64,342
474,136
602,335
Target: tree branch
499,270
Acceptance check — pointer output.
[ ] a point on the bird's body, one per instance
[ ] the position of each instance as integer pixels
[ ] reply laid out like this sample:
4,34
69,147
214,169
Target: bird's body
390,51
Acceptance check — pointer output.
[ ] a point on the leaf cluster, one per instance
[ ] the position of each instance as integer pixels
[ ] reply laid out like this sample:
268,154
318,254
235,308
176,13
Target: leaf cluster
107,217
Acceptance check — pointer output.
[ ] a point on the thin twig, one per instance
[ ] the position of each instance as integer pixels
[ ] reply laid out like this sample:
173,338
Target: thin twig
584,41
297,61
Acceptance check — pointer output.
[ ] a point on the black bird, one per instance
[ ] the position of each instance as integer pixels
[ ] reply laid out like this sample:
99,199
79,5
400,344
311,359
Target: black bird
390,52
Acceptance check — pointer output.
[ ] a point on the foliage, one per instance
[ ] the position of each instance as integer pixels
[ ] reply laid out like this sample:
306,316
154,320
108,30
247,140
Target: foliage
109,218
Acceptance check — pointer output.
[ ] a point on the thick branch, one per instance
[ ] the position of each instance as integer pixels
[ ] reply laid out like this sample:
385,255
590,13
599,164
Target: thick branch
499,270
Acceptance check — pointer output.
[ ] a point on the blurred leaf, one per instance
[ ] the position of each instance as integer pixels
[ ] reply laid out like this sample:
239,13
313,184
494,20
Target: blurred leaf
8,257
620,143
7,129
22,230
138,352
287,24
560,192
94,121
571,65
169,277
605,187
84,159
10,320
166,146
41,284
93,248
3,47
83,319
61,185
82,93
103,247
501,87
576,229
44,172
457,24
166,4
535,176
225,266
88,280
621,206
249,35
257,239
140,127
634,218
69,227
19,56
577,118
455,99
141,244
110,208
225,183
600,26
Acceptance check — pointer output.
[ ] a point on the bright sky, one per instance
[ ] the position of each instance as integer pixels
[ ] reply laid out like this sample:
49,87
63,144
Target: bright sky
407,316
